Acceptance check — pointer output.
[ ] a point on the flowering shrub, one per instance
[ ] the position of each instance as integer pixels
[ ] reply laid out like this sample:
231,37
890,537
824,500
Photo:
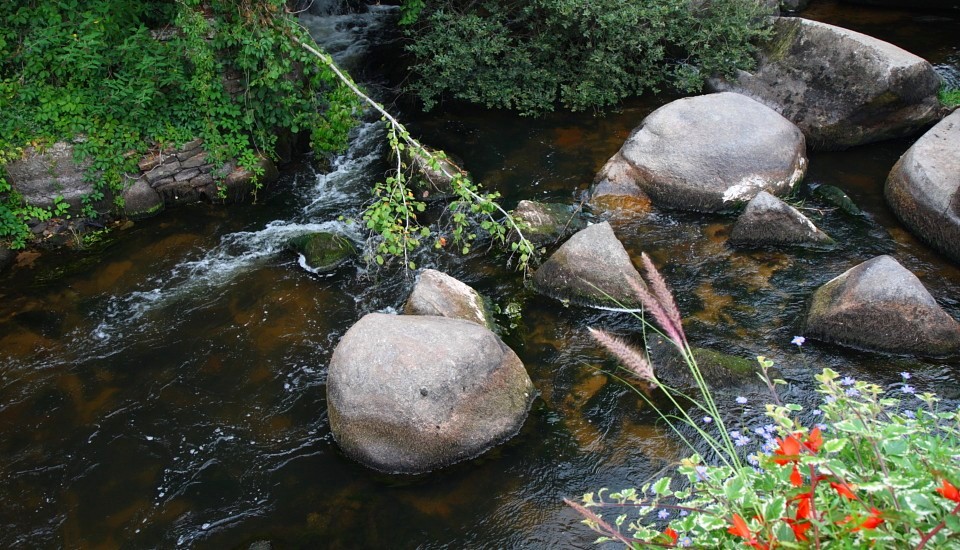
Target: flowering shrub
878,470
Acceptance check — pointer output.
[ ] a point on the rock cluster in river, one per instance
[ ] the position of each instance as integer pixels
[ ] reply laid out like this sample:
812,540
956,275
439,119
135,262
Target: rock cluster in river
923,188
412,393
842,88
706,154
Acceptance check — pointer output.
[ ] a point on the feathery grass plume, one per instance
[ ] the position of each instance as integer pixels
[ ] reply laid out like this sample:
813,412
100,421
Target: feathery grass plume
651,304
662,292
635,361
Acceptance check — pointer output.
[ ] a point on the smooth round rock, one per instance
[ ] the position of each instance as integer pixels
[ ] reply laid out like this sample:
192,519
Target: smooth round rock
141,201
922,188
707,154
880,305
409,394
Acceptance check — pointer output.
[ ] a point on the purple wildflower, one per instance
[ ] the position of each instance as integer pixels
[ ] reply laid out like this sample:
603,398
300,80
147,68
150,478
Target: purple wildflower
906,375
741,441
701,473
741,400
753,460
663,514
852,392
847,381
707,419
798,341
685,542
909,414
907,388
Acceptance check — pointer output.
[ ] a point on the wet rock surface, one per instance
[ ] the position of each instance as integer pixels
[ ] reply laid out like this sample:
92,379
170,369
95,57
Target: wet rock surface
409,394
706,154
441,295
768,221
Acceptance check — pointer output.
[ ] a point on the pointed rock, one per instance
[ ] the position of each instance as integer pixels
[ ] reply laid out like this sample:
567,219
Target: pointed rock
923,189
591,269
441,295
768,220
880,305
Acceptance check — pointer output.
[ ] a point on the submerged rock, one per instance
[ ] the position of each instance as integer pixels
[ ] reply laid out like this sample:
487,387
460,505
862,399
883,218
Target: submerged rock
591,269
706,154
834,196
434,182
547,222
441,295
842,88
880,305
323,252
923,189
718,369
409,394
768,220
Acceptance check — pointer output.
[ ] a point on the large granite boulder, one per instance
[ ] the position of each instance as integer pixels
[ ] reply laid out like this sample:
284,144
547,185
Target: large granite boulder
546,222
42,176
592,268
409,394
441,295
768,221
922,189
707,154
842,88
880,305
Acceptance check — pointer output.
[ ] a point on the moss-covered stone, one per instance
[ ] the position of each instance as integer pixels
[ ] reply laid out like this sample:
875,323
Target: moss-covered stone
323,252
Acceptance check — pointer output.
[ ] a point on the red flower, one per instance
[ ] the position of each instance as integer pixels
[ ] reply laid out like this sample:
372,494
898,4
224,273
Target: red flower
671,533
795,478
872,521
800,529
804,505
814,441
843,490
740,529
947,490
789,448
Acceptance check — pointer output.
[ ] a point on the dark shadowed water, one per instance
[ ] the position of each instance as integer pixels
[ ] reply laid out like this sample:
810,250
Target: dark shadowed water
166,388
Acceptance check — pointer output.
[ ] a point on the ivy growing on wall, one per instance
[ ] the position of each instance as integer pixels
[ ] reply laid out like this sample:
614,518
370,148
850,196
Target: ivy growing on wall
125,75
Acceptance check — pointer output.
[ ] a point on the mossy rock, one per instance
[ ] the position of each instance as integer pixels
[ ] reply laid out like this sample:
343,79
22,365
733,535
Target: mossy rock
323,252
718,369
835,197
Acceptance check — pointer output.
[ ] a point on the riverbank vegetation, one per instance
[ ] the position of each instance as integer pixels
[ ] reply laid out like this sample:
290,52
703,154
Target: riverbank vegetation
870,466
577,54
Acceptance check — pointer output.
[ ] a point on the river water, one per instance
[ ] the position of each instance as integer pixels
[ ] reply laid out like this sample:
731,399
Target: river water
165,388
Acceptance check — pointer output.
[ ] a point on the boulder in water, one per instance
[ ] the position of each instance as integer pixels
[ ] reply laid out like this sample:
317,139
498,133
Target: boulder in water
592,269
441,295
323,252
923,189
768,221
141,200
880,305
835,196
706,154
547,223
842,88
409,393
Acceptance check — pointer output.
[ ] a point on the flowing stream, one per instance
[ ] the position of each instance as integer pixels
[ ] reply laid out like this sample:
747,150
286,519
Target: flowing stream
166,387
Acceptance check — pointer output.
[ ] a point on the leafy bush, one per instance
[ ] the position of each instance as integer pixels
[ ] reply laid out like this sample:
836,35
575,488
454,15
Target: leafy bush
879,469
127,74
583,54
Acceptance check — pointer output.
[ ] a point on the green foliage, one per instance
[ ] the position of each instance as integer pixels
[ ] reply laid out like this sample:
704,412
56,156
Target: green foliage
529,56
949,96
125,75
